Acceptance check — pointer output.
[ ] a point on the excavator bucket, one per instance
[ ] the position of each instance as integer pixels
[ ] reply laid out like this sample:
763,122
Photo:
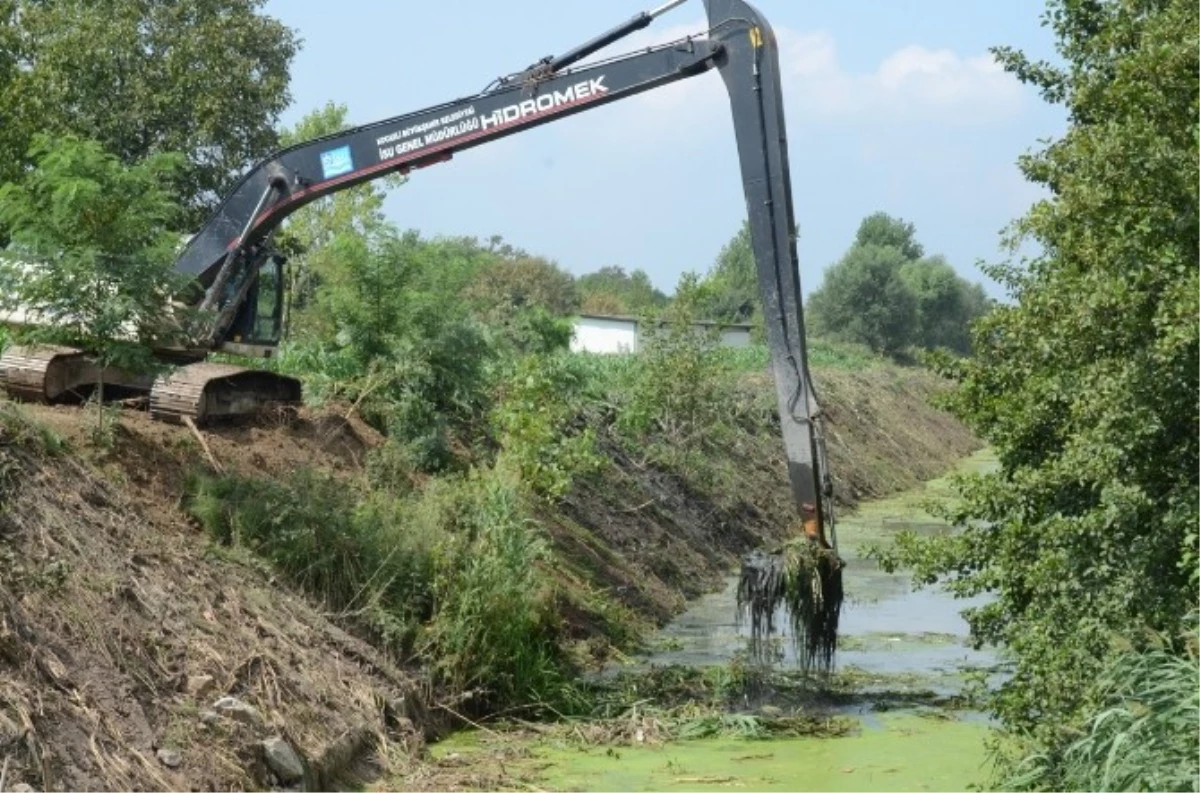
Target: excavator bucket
804,576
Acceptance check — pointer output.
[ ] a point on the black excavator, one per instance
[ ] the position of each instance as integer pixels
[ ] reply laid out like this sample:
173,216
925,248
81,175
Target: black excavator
238,273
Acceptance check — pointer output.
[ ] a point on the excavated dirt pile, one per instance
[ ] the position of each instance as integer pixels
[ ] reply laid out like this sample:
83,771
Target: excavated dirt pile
134,656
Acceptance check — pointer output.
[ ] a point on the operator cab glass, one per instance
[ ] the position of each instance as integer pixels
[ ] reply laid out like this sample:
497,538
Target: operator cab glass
260,320
268,325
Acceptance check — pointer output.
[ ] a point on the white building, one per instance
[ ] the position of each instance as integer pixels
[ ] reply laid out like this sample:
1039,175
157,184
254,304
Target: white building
614,334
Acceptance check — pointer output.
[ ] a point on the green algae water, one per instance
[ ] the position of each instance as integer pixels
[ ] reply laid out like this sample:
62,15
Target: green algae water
892,752
887,626
893,639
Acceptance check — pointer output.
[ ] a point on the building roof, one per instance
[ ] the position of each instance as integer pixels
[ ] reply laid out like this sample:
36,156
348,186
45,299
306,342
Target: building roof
635,319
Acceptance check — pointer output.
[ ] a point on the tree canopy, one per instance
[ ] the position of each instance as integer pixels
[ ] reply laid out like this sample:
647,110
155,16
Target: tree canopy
510,284
91,250
880,228
1086,383
312,236
612,290
203,77
864,300
882,294
730,291
947,304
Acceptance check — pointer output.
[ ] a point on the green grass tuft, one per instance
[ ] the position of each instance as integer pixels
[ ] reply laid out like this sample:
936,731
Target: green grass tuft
1146,736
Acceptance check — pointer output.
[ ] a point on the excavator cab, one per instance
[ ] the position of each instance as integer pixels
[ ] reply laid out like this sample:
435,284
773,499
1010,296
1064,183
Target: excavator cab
258,324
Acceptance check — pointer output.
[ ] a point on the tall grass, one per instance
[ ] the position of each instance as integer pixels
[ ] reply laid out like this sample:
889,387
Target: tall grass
608,373
495,632
822,354
1146,736
357,557
451,576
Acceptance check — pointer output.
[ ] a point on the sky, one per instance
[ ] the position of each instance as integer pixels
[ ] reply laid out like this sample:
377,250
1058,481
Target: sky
890,106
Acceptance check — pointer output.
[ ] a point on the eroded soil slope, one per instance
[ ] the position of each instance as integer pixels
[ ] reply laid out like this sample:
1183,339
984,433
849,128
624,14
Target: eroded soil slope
652,539
120,630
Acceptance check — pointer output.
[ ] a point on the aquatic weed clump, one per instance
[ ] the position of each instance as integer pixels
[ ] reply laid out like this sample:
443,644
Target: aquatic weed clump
804,579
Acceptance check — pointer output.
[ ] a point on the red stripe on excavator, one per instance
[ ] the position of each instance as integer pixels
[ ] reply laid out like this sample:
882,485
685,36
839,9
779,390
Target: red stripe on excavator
391,164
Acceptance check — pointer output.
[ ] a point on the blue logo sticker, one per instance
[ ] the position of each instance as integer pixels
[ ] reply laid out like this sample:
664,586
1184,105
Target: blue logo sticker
336,162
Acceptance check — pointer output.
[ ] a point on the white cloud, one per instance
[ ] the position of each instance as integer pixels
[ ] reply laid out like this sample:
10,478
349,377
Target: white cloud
911,83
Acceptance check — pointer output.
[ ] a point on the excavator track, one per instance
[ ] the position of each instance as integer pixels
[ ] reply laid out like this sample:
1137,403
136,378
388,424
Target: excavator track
204,391
199,391
44,373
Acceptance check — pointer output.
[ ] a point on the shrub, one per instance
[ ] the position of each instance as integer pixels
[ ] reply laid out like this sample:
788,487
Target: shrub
681,385
494,632
356,556
453,573
864,300
91,251
1144,736
1085,384
538,420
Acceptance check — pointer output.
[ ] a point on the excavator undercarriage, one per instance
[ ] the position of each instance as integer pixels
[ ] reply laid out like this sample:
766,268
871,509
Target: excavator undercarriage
199,391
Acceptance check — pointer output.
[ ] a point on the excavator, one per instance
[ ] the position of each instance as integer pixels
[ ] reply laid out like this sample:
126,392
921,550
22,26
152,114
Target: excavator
238,273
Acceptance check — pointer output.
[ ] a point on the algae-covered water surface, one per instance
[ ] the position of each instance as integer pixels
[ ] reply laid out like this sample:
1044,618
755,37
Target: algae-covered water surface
891,752
899,677
887,626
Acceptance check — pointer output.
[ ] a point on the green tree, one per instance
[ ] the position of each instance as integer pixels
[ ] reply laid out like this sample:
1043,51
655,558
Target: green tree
946,304
396,338
602,303
864,300
882,229
364,297
731,291
682,392
1086,384
308,234
612,290
536,421
511,284
208,78
91,251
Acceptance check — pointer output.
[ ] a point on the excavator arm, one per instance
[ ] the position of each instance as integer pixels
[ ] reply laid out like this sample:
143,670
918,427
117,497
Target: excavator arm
228,254
236,235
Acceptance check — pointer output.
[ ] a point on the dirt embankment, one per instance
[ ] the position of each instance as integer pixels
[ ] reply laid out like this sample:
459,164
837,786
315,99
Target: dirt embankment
122,627
652,540
133,655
